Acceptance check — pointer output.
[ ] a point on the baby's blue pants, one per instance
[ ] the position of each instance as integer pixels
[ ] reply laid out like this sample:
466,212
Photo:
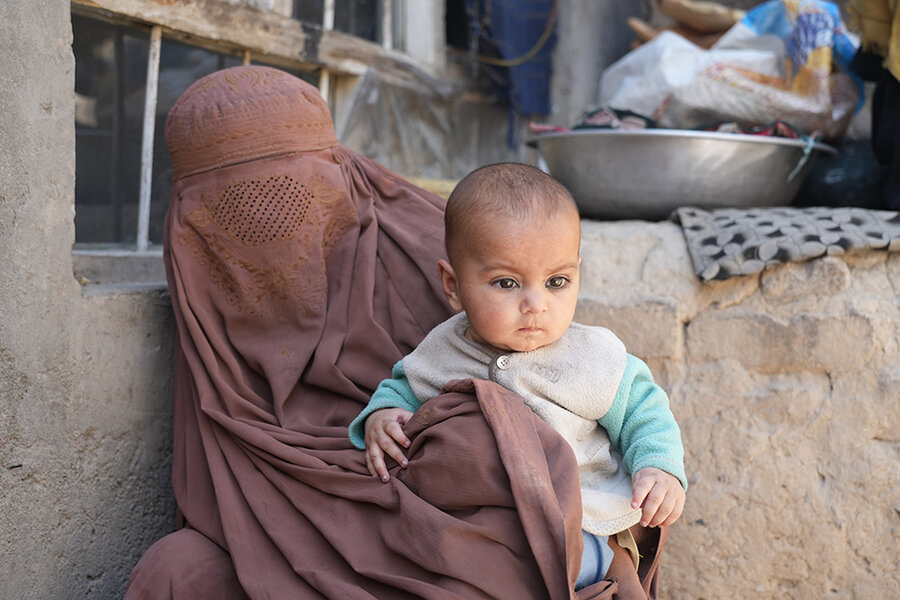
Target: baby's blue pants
595,561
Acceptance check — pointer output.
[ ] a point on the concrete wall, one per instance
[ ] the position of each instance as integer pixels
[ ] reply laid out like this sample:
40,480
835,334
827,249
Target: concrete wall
85,388
590,37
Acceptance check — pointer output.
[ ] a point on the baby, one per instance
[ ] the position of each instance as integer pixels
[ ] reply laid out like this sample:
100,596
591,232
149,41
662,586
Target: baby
513,235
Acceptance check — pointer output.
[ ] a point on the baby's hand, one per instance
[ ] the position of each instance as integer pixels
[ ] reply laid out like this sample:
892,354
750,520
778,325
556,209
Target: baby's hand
384,434
659,494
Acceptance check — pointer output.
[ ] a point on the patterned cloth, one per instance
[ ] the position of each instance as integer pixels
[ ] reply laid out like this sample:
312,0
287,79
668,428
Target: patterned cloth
726,243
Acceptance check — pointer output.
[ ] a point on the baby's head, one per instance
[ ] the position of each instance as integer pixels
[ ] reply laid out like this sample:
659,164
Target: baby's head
512,235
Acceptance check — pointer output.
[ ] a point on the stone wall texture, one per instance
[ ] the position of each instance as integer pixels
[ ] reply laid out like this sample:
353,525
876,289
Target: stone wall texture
786,385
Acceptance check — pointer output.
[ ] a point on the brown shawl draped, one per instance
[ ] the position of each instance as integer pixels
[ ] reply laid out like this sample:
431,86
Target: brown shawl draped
300,272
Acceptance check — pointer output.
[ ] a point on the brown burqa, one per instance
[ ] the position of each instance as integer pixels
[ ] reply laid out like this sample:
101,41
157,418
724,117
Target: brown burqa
300,272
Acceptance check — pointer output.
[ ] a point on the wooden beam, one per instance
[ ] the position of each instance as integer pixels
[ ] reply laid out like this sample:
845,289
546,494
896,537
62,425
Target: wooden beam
269,37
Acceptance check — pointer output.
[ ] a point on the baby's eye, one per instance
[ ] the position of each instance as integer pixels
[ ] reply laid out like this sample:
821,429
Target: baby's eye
506,283
557,282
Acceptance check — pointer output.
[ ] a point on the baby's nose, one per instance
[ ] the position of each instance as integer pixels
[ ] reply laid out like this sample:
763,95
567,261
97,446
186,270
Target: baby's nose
534,301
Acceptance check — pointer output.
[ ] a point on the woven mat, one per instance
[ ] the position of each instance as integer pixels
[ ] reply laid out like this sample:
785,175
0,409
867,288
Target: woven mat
731,242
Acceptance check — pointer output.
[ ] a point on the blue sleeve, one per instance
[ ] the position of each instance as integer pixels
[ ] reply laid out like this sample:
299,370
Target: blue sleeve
641,426
390,393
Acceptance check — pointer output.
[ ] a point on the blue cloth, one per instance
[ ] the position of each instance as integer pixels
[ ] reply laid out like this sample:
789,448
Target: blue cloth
511,28
595,560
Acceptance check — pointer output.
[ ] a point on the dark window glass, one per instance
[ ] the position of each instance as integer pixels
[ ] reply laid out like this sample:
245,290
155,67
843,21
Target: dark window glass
311,77
180,65
110,79
457,24
361,18
310,11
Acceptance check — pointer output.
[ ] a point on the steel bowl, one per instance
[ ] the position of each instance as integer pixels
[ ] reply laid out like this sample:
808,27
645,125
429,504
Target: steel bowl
647,173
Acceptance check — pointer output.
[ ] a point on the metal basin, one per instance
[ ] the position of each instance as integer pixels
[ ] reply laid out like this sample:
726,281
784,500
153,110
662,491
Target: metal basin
647,173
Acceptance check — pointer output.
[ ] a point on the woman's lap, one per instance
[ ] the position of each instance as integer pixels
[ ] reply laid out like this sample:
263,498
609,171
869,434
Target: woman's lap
185,565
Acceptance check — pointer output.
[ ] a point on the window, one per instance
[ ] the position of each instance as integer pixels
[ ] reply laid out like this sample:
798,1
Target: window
128,75
374,20
359,18
111,80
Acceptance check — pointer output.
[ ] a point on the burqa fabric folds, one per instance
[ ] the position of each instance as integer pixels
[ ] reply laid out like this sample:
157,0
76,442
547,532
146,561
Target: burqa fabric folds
300,272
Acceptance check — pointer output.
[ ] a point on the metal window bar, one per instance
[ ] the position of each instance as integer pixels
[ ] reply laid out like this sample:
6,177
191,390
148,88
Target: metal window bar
387,26
143,232
327,25
328,15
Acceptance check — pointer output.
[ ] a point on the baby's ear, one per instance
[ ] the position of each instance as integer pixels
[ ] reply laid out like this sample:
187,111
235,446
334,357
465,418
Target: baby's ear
451,288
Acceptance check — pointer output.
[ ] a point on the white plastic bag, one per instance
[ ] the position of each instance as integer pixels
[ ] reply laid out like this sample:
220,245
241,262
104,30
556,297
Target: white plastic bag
644,79
748,76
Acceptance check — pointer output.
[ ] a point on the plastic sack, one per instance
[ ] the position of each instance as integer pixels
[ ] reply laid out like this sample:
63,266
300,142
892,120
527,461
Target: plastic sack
775,64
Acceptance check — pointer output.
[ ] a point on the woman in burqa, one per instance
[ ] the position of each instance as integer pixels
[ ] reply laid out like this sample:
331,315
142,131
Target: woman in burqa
300,272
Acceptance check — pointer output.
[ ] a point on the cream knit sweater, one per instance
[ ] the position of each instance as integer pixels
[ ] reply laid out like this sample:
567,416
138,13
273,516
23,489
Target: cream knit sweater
569,384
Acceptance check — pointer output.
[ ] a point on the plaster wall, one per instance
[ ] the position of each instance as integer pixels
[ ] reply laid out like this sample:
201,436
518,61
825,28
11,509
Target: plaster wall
590,37
85,388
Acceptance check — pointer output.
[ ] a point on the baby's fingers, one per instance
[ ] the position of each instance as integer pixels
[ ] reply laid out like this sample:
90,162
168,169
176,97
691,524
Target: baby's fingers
390,447
375,463
652,505
641,488
395,430
677,509
657,508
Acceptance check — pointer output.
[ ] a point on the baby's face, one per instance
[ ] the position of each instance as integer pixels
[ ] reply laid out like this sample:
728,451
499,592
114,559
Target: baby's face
518,281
